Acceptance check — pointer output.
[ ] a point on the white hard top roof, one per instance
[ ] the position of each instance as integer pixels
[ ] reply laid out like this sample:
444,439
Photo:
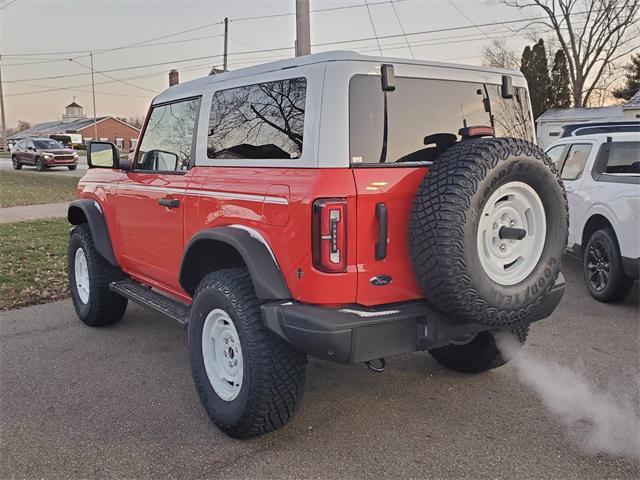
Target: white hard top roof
194,87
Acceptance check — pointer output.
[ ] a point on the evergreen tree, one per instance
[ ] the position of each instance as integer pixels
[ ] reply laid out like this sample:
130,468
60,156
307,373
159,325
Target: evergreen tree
559,89
632,81
535,69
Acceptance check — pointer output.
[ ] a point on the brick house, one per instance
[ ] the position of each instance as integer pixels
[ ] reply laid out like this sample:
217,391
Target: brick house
74,121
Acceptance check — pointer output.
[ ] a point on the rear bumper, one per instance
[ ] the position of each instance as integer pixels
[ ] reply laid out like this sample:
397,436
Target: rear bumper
358,334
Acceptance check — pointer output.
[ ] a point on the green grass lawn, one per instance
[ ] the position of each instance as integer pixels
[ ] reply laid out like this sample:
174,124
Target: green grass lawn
33,262
32,188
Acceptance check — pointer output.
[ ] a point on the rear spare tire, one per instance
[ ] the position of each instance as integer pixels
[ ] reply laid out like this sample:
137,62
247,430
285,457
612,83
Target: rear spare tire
488,230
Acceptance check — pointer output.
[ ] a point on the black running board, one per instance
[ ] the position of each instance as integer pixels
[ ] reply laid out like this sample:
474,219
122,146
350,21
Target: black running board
155,301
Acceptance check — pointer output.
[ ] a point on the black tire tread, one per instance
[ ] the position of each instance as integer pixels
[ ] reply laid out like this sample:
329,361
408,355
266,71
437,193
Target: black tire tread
105,307
440,211
620,283
480,355
277,370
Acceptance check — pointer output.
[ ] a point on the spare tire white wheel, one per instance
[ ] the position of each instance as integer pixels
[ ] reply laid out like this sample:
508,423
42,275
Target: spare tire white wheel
489,227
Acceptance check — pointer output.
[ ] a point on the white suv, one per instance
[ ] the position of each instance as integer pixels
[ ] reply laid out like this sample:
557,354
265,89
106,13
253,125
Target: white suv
601,174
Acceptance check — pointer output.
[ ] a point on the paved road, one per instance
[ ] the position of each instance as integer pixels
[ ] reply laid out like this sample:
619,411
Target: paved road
5,164
118,402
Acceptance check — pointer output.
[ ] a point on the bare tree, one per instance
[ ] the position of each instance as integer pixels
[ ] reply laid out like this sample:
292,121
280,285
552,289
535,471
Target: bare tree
499,55
592,33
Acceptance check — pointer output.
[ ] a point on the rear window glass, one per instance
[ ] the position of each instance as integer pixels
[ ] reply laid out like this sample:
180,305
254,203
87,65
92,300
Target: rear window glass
421,108
262,121
624,157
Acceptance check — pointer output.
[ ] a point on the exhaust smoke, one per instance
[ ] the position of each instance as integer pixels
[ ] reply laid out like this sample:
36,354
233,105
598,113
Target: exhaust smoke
599,421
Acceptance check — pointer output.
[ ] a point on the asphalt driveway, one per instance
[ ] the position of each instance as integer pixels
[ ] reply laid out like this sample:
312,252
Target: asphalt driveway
118,402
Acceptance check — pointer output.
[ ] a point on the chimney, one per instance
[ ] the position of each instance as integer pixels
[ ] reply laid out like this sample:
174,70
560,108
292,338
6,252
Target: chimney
174,77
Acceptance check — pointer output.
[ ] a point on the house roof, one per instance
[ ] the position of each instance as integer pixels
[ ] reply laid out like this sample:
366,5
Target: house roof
633,103
577,114
60,127
74,104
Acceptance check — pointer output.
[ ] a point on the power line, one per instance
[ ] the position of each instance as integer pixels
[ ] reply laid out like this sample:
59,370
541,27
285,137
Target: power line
114,78
373,26
468,19
393,5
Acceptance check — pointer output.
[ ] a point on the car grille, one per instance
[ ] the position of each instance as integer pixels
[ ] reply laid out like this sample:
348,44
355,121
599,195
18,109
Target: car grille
63,157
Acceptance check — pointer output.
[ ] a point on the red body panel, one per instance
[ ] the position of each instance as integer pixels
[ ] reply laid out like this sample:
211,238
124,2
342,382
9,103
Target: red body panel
149,239
396,188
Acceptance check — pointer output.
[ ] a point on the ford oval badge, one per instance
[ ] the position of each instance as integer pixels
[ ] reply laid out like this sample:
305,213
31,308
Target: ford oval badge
380,280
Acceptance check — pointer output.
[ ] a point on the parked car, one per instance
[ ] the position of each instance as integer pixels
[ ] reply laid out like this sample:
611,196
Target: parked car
335,205
601,174
43,153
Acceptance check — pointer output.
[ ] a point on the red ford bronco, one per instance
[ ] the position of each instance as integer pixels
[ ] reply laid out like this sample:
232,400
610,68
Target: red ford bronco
345,207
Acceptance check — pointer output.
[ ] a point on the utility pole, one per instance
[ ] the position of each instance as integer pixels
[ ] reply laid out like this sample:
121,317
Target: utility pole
226,43
93,92
4,125
303,32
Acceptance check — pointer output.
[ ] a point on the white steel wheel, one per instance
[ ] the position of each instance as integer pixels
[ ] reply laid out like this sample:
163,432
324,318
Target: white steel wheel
510,261
222,354
81,275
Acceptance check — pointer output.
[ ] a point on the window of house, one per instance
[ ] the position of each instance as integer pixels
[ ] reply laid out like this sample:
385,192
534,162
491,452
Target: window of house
262,121
120,143
577,157
167,141
424,117
133,142
104,139
623,158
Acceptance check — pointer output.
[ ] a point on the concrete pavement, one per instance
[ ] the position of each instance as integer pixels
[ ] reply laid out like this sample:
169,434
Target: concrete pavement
117,402
33,212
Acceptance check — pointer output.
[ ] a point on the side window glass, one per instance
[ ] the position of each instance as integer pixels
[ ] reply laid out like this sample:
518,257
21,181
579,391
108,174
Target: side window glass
624,158
262,121
555,154
575,162
30,144
168,138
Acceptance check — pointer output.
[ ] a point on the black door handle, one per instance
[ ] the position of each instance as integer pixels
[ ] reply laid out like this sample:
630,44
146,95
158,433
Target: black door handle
381,244
169,202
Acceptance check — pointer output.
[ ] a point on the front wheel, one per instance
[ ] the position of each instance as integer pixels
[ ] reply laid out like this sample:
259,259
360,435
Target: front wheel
16,164
72,167
40,166
249,380
602,268
89,279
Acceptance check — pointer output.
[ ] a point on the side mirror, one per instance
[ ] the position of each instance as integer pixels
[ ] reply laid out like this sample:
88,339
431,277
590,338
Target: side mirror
102,155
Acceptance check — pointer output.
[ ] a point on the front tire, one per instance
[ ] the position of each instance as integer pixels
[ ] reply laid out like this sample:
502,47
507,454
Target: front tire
16,164
72,167
477,356
89,279
602,268
249,380
40,165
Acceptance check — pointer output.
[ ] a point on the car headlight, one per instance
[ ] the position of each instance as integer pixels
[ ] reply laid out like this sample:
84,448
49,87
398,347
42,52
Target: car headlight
47,156
75,155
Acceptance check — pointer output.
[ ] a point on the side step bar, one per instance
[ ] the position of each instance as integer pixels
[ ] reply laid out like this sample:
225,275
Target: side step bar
148,298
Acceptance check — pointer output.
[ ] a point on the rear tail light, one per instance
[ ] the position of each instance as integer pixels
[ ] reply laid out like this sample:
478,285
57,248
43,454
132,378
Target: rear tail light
330,235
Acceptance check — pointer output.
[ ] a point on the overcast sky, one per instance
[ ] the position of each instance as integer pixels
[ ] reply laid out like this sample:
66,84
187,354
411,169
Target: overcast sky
43,28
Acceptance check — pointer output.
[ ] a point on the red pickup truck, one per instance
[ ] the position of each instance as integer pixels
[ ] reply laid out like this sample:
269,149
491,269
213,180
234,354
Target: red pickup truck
345,207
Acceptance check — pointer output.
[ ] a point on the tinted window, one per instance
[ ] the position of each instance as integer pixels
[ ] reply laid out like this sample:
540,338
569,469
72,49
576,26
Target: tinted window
47,144
555,154
575,162
421,108
258,121
624,157
168,138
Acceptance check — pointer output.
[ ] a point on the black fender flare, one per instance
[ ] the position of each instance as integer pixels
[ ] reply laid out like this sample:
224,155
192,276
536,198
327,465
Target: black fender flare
268,281
89,211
